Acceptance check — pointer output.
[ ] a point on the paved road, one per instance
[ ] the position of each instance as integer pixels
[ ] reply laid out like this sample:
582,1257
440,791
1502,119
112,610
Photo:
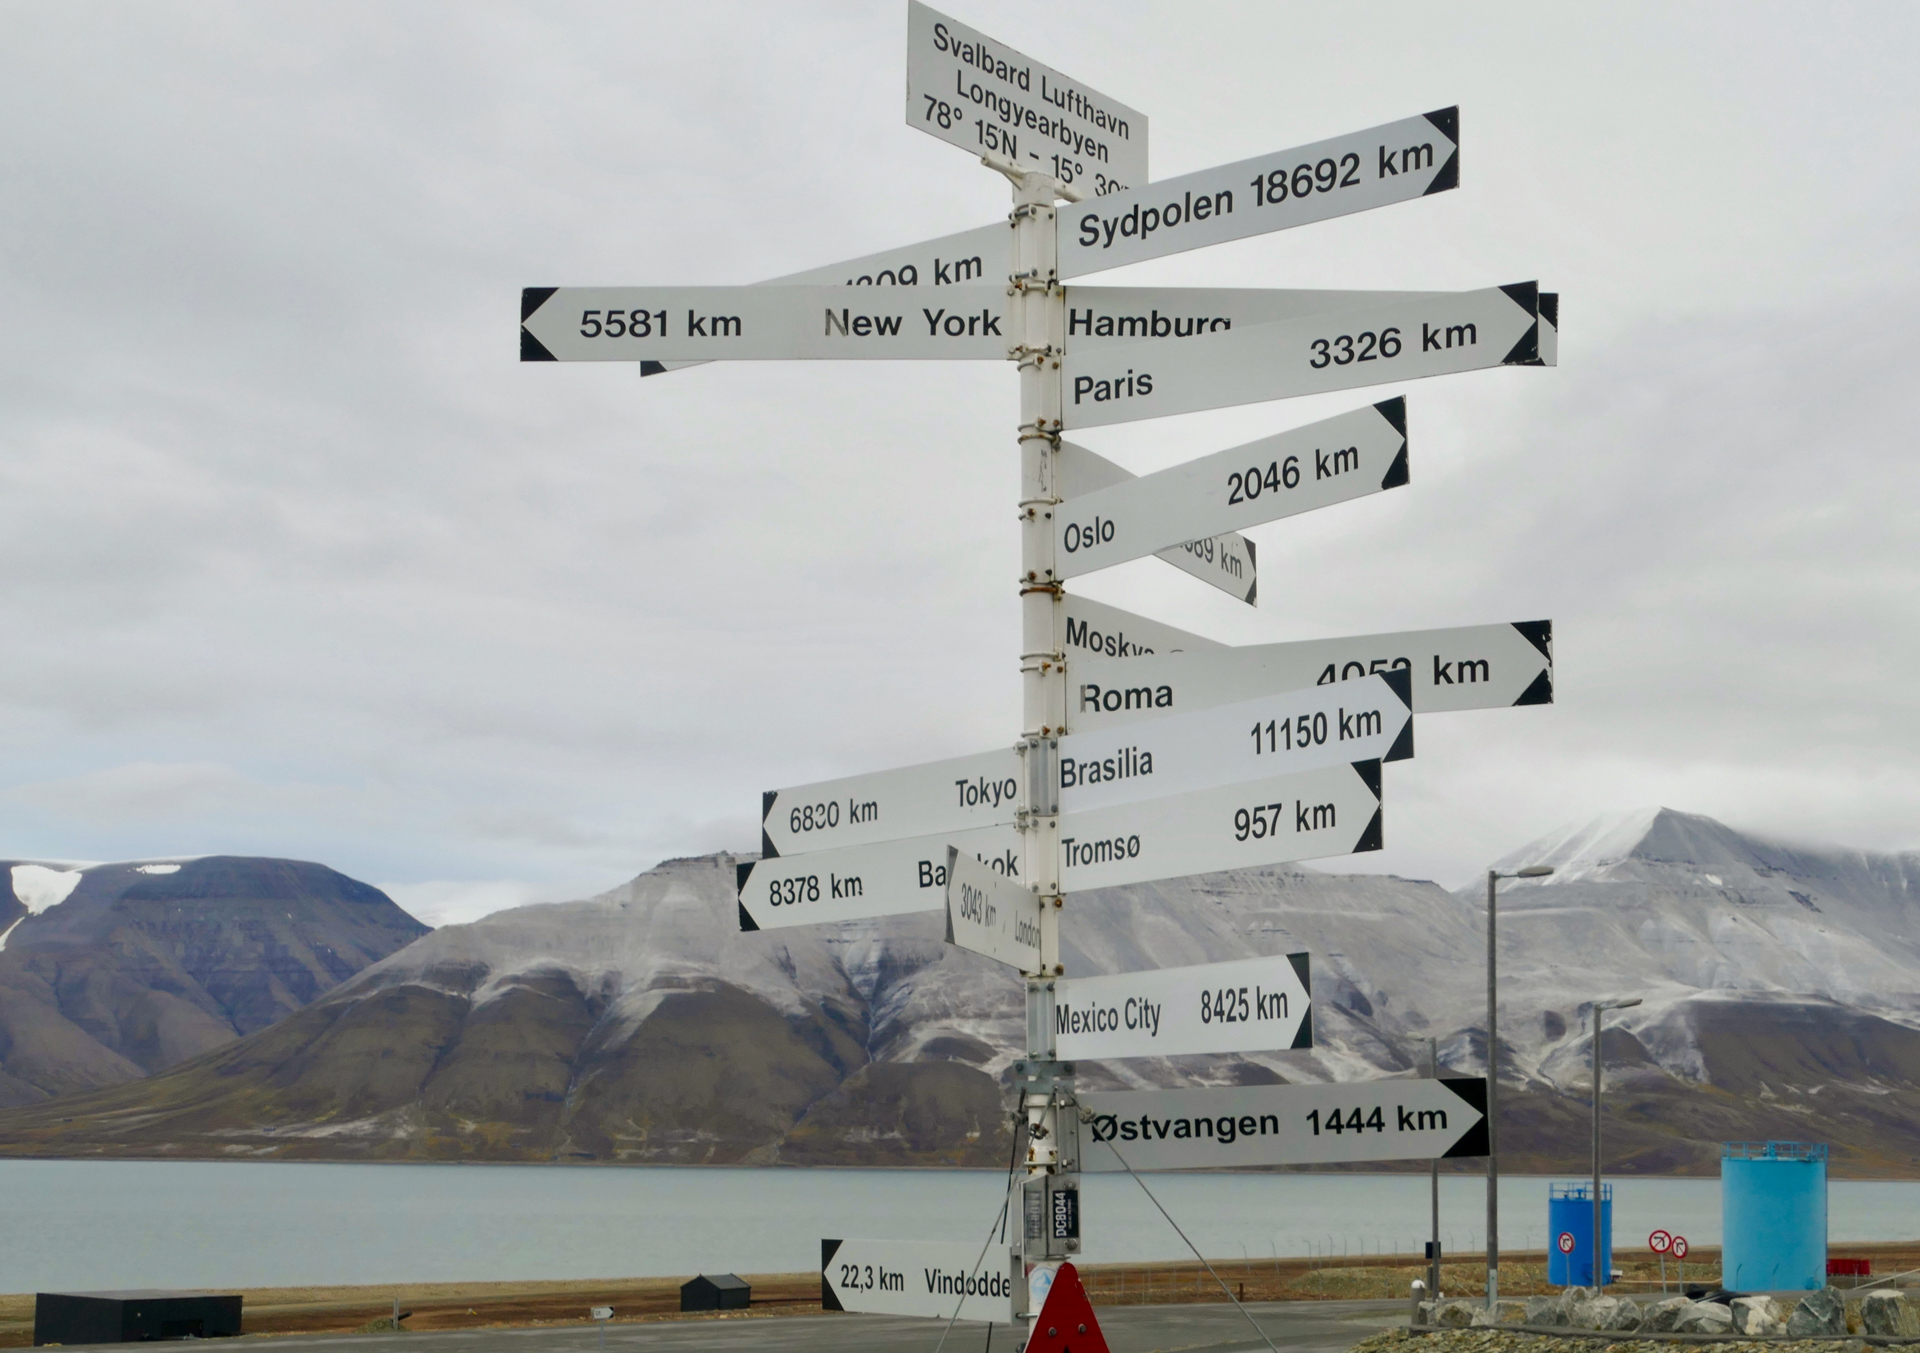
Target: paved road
1294,1327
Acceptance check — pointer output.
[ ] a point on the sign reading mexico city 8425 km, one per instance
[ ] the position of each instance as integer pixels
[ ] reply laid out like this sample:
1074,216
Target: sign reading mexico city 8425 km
1247,1005
981,95
1235,1129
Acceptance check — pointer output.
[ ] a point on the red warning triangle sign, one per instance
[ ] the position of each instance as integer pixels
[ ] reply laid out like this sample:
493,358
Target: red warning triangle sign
1065,1323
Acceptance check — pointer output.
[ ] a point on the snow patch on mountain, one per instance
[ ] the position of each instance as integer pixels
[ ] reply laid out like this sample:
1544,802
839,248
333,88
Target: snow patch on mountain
38,887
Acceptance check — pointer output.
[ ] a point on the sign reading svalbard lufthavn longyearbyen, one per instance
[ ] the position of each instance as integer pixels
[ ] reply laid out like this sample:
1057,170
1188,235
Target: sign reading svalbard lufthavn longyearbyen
1146,751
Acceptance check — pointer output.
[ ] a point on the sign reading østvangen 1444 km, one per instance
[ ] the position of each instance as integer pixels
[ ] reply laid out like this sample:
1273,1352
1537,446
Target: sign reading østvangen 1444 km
1247,1005
915,1277
1237,1129
1347,456
1391,163
990,913
634,324
957,795
983,96
1339,350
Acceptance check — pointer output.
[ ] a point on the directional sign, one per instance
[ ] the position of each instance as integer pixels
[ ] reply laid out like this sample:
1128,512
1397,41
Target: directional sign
1660,1241
915,1277
1224,561
882,878
628,324
1474,667
970,256
1107,317
1249,1005
1390,163
991,914
985,97
1566,1242
1236,1129
1318,813
1095,629
1348,456
1680,1247
1337,350
1281,734
961,794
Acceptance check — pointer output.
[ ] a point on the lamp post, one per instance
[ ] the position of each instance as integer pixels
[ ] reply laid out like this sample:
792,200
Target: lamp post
1600,1008
1532,871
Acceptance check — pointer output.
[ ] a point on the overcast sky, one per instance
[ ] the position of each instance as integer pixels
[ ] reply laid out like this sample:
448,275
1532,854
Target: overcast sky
297,559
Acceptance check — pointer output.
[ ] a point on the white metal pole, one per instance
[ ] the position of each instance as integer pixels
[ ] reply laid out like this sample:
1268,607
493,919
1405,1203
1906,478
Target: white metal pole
1035,304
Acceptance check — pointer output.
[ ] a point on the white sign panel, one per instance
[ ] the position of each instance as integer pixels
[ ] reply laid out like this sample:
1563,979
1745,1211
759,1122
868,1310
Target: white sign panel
1240,1128
882,878
1472,667
932,1278
1094,629
1225,561
631,324
1281,734
1391,163
1249,1005
976,255
987,98
991,914
1349,456
960,794
1107,317
1318,813
1338,350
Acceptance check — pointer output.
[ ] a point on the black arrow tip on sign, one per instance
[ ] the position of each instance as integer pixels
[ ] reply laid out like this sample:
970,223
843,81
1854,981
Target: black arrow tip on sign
1400,681
828,1248
1446,121
1550,307
746,922
1539,693
653,369
1402,749
1539,633
1396,476
1371,838
532,349
1395,412
1369,773
1253,566
532,298
1473,1091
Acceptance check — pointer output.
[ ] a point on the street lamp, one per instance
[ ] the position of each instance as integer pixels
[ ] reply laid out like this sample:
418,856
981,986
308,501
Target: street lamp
1532,871
1600,1008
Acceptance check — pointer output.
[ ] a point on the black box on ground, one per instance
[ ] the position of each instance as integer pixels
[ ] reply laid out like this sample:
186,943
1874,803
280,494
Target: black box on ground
716,1292
131,1317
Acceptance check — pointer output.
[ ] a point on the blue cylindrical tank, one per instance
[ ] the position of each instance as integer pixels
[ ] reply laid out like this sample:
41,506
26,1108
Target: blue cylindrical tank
1773,1216
1570,1213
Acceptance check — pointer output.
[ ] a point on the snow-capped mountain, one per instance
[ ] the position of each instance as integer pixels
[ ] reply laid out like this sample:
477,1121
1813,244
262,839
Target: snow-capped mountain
1782,990
110,972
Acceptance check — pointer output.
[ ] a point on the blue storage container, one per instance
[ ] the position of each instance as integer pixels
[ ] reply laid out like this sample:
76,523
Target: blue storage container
1773,1216
1570,1213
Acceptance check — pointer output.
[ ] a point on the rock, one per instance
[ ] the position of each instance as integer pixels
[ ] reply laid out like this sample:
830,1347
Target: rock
1627,1315
1503,1313
1661,1316
1821,1312
1546,1311
1456,1314
1758,1315
1602,1312
1887,1313
1704,1317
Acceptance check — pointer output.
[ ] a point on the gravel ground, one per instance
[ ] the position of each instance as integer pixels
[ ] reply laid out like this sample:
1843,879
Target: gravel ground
1506,1341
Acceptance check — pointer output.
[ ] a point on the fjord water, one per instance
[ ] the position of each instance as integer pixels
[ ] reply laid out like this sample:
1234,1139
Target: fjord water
117,1224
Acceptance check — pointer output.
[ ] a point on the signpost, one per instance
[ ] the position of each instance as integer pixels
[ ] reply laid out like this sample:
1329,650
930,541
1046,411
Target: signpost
1145,752
991,914
1309,816
1224,561
628,324
1474,667
1250,1005
1365,720
915,1277
957,795
983,96
1660,1242
1566,1242
1348,456
851,883
1413,157
1401,340
1250,1126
